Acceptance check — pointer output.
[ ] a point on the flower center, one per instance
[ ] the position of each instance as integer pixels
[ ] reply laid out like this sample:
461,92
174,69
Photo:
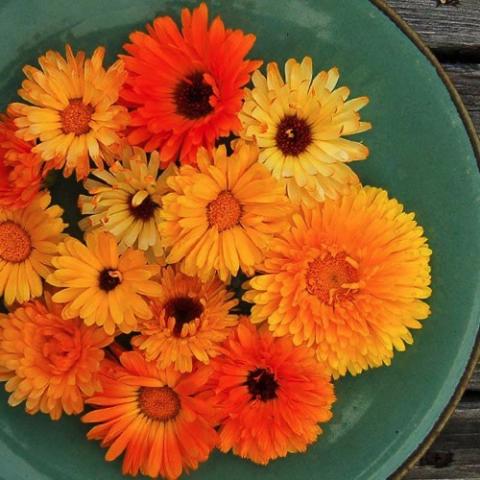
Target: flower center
15,242
293,136
192,97
224,212
160,403
145,210
262,384
330,278
109,279
183,310
76,117
60,350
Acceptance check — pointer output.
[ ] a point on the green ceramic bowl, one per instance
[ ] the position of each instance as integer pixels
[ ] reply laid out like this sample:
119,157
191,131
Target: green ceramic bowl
422,150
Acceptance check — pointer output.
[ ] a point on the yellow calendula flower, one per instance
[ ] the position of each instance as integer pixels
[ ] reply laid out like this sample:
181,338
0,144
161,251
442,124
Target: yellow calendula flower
126,201
348,280
190,321
28,242
299,125
72,113
222,215
102,286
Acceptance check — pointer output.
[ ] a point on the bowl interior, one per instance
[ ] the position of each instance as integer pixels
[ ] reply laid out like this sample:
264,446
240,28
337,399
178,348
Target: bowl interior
420,153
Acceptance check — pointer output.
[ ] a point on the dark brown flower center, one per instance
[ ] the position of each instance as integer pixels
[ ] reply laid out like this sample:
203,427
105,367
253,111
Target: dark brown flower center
109,279
15,242
192,96
76,117
262,384
293,136
159,403
183,310
145,210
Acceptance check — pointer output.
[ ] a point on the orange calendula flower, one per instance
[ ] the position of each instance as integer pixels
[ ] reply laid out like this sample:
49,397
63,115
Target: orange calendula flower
20,169
28,242
53,362
222,215
185,88
162,421
349,279
190,321
271,395
100,285
300,125
73,113
126,201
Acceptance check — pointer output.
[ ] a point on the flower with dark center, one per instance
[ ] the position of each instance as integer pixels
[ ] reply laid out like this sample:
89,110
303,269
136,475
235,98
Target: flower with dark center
293,136
262,384
145,210
109,279
183,310
192,97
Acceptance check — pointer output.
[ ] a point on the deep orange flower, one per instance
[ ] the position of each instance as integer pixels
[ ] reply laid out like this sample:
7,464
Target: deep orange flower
52,363
185,89
162,420
190,321
20,175
271,395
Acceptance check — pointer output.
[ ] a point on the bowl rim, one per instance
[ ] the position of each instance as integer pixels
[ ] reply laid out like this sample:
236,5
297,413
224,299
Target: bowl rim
447,412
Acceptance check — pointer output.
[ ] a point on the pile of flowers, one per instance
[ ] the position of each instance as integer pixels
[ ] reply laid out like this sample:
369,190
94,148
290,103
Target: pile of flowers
232,266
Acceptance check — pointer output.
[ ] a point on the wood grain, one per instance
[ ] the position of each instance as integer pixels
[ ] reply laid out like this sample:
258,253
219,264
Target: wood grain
456,452
466,77
450,29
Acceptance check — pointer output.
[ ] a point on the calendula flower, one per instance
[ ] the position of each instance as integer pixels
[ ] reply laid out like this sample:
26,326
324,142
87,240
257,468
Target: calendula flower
102,286
161,420
190,321
349,279
28,242
271,395
127,200
222,215
300,124
185,89
72,113
54,363
20,171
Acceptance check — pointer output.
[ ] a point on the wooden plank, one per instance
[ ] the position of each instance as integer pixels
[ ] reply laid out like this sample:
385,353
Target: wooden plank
455,455
474,385
451,28
466,77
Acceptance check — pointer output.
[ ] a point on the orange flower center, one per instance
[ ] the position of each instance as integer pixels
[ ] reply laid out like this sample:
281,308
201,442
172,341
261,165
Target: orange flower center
293,136
224,212
76,117
15,242
192,97
183,310
60,349
262,385
160,403
329,278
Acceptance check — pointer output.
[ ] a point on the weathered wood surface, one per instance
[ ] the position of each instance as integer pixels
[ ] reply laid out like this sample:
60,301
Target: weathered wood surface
453,34
447,29
466,78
